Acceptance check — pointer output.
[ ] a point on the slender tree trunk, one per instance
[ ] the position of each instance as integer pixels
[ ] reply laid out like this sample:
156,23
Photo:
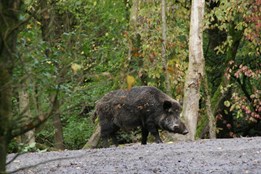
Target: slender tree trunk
196,68
135,38
134,14
58,131
58,134
5,111
28,137
3,153
133,28
135,59
164,43
209,110
163,52
51,32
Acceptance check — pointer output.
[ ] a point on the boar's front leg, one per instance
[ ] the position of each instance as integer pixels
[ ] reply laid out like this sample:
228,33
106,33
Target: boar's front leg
154,131
113,134
157,137
105,141
145,134
108,130
114,140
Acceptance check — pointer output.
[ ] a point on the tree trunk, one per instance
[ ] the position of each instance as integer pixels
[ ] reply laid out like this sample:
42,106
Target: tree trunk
164,43
209,110
5,109
94,140
196,68
58,133
51,32
58,130
28,137
135,59
3,153
135,38
5,103
9,11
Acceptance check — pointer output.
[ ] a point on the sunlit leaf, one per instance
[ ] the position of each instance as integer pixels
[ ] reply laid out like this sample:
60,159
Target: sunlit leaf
76,67
227,103
130,81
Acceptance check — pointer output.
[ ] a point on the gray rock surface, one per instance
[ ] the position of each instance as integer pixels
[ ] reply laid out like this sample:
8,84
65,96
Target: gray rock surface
239,155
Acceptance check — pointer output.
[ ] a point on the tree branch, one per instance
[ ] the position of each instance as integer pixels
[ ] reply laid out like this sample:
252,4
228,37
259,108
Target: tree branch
37,121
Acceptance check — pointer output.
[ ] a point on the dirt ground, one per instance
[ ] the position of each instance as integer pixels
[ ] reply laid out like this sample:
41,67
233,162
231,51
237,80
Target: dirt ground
239,156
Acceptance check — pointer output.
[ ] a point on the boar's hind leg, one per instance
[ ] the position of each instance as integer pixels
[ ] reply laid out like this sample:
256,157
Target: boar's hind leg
145,134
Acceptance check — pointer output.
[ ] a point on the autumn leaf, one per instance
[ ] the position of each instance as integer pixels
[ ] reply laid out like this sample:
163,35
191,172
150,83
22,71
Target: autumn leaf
130,81
75,67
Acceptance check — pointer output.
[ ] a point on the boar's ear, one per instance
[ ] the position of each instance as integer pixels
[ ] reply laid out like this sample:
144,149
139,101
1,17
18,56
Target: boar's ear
167,105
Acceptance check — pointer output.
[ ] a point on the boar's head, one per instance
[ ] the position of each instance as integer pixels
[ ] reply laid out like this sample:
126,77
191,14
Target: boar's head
170,120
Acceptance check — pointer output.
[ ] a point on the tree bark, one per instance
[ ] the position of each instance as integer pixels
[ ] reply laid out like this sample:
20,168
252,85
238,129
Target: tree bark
51,32
164,43
94,140
209,111
9,10
5,110
28,137
3,153
135,57
135,38
195,71
58,130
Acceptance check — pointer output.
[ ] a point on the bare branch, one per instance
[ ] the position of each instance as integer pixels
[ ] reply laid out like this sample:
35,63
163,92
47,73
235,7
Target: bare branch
37,121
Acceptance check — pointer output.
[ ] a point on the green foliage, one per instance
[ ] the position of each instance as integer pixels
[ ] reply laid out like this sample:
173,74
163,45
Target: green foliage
88,56
76,132
235,62
149,28
246,97
83,62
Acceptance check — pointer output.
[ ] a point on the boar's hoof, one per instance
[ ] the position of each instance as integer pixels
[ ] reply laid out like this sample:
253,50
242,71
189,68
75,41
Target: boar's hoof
158,141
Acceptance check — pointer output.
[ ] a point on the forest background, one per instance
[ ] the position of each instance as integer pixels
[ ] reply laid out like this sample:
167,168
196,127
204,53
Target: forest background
70,53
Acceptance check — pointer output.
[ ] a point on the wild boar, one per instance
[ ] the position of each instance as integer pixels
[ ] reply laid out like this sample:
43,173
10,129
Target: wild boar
145,107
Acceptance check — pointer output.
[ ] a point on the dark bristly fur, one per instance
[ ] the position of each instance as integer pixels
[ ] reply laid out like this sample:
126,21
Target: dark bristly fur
145,107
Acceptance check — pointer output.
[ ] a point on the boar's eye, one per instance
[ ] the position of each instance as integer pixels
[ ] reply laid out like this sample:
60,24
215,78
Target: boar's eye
168,120
167,105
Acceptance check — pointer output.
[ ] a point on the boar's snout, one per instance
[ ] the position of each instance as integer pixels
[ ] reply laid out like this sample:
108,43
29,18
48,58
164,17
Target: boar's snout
185,132
180,128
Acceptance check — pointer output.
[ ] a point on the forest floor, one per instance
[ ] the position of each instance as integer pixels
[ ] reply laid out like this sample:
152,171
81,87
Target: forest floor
239,155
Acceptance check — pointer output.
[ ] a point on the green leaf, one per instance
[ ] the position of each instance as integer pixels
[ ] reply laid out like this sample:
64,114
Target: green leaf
227,103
